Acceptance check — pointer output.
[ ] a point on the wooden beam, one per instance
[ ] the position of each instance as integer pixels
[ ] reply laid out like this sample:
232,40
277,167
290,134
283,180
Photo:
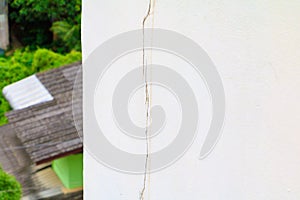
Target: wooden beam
80,150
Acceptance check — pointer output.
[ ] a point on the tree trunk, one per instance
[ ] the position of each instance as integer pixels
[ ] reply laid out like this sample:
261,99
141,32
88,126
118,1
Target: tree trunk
4,33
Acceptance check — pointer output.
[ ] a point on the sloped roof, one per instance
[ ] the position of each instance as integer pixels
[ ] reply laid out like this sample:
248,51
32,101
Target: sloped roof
47,129
14,159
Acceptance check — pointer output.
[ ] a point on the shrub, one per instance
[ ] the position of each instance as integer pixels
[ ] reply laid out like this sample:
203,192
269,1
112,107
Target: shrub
10,188
45,59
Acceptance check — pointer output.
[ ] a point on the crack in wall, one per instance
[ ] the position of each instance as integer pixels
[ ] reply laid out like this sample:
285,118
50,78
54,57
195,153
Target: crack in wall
148,99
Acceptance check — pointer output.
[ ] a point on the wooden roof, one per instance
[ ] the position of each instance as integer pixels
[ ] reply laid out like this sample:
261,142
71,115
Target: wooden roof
14,159
48,130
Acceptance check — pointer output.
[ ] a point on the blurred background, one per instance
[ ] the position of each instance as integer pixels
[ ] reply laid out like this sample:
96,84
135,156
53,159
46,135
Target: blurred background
40,59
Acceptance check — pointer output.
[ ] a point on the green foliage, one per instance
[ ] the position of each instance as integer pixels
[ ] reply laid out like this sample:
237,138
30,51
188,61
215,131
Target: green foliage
31,22
25,63
68,34
45,59
56,10
10,188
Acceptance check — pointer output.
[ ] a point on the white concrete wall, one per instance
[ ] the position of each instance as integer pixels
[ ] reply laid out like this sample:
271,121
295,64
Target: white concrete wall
255,46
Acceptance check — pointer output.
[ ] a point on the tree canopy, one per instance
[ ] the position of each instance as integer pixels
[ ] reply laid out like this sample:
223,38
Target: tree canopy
51,24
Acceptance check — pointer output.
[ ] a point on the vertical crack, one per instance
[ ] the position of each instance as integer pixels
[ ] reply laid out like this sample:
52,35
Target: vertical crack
147,102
